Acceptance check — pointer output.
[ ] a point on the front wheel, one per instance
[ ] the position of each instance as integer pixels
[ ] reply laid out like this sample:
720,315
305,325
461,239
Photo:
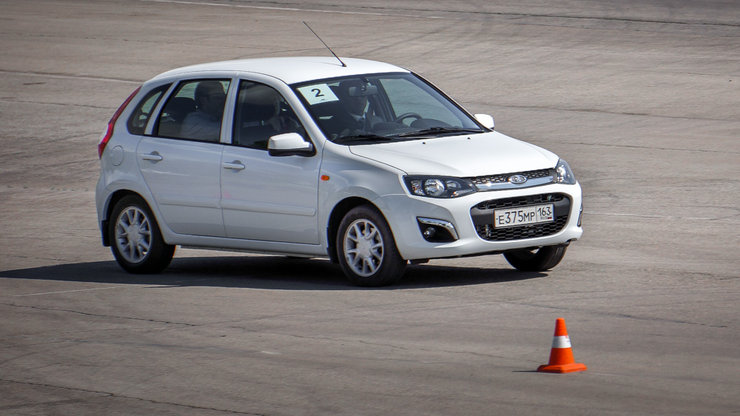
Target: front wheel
366,250
537,260
136,241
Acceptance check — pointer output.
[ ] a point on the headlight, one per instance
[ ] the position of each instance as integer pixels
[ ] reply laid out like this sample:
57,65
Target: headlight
563,174
438,187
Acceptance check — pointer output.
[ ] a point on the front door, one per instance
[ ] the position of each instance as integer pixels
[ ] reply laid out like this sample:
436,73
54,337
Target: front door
268,198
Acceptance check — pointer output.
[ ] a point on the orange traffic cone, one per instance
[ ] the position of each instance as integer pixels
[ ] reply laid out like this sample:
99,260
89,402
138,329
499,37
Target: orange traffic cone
561,355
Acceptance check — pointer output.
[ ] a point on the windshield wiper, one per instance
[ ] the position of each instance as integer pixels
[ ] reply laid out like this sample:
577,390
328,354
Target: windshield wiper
439,130
362,138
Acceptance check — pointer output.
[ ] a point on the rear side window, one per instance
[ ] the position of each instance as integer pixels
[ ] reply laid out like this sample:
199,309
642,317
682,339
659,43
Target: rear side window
140,117
194,111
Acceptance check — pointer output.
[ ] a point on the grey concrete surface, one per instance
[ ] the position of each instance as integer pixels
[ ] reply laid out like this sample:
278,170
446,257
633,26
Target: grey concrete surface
641,97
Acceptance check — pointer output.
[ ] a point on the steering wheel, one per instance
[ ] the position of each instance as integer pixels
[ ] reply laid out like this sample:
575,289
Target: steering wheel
404,116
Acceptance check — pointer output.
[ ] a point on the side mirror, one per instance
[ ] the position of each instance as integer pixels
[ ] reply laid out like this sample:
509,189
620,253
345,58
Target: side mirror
486,120
289,144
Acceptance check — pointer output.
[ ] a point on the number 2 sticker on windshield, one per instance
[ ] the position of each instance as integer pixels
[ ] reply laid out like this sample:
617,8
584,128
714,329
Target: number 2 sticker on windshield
316,94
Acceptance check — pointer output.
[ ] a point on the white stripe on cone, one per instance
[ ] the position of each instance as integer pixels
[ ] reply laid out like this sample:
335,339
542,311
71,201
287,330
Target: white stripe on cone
561,342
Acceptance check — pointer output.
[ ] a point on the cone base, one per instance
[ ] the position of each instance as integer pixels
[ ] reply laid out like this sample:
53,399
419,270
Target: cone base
562,368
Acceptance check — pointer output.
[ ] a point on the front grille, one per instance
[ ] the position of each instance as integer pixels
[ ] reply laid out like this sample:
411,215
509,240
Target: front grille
504,178
482,215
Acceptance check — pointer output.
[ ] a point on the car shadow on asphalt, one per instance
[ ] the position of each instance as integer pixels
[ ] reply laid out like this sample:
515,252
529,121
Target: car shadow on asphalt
265,272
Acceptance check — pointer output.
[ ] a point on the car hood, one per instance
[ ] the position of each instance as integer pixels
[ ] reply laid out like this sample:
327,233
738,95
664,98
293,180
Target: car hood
468,155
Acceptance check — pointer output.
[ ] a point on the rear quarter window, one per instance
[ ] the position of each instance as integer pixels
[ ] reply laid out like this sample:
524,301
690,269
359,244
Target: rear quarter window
143,111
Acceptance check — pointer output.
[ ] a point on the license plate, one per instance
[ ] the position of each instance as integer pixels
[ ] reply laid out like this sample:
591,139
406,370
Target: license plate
512,217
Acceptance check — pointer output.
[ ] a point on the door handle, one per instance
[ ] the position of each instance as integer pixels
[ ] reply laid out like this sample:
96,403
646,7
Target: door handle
153,156
235,165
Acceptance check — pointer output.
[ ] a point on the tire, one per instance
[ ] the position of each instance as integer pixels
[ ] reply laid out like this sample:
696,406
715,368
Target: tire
366,249
536,260
136,241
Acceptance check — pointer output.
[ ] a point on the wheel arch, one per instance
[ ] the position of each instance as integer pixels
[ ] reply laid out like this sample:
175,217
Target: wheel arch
339,211
112,201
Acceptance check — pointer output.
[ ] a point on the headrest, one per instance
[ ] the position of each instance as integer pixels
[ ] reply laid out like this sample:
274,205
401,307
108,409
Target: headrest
256,112
180,105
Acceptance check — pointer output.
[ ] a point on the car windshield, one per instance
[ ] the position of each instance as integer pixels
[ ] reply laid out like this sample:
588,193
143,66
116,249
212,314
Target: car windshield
382,108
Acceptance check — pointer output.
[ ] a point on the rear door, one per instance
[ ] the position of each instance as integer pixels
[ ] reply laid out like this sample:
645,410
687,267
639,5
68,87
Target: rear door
181,160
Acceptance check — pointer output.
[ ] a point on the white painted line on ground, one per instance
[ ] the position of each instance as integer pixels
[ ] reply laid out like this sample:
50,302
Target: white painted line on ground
289,9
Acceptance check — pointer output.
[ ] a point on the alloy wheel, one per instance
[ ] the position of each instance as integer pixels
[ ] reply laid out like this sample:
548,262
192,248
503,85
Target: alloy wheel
363,247
133,234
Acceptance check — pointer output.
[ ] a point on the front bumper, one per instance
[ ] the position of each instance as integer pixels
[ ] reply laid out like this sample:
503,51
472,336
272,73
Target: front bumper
472,218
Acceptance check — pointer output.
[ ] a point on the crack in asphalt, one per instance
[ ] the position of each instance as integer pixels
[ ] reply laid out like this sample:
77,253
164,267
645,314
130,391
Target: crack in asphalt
619,315
598,111
70,76
13,305
413,12
112,395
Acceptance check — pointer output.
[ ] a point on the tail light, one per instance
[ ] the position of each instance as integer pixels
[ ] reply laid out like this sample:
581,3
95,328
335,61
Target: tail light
109,131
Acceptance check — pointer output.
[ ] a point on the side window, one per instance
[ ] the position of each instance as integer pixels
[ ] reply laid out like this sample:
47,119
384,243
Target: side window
140,117
262,112
194,111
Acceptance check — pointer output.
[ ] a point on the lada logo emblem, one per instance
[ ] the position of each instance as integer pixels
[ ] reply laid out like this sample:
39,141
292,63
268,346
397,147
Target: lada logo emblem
517,179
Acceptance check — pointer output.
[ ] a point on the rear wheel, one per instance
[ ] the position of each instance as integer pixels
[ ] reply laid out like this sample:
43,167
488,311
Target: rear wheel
136,241
536,260
366,249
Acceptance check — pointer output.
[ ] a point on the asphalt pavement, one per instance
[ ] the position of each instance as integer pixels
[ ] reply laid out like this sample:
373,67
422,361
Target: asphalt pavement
642,98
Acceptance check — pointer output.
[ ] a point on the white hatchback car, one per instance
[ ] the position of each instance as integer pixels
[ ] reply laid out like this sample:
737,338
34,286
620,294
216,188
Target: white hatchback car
359,161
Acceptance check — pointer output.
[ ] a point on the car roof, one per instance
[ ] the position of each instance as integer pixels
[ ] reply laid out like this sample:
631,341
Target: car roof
290,70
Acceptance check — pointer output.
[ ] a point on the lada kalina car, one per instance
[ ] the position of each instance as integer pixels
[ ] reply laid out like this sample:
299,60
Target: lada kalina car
359,161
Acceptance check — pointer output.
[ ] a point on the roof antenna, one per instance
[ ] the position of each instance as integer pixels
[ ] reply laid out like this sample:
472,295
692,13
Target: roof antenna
327,46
